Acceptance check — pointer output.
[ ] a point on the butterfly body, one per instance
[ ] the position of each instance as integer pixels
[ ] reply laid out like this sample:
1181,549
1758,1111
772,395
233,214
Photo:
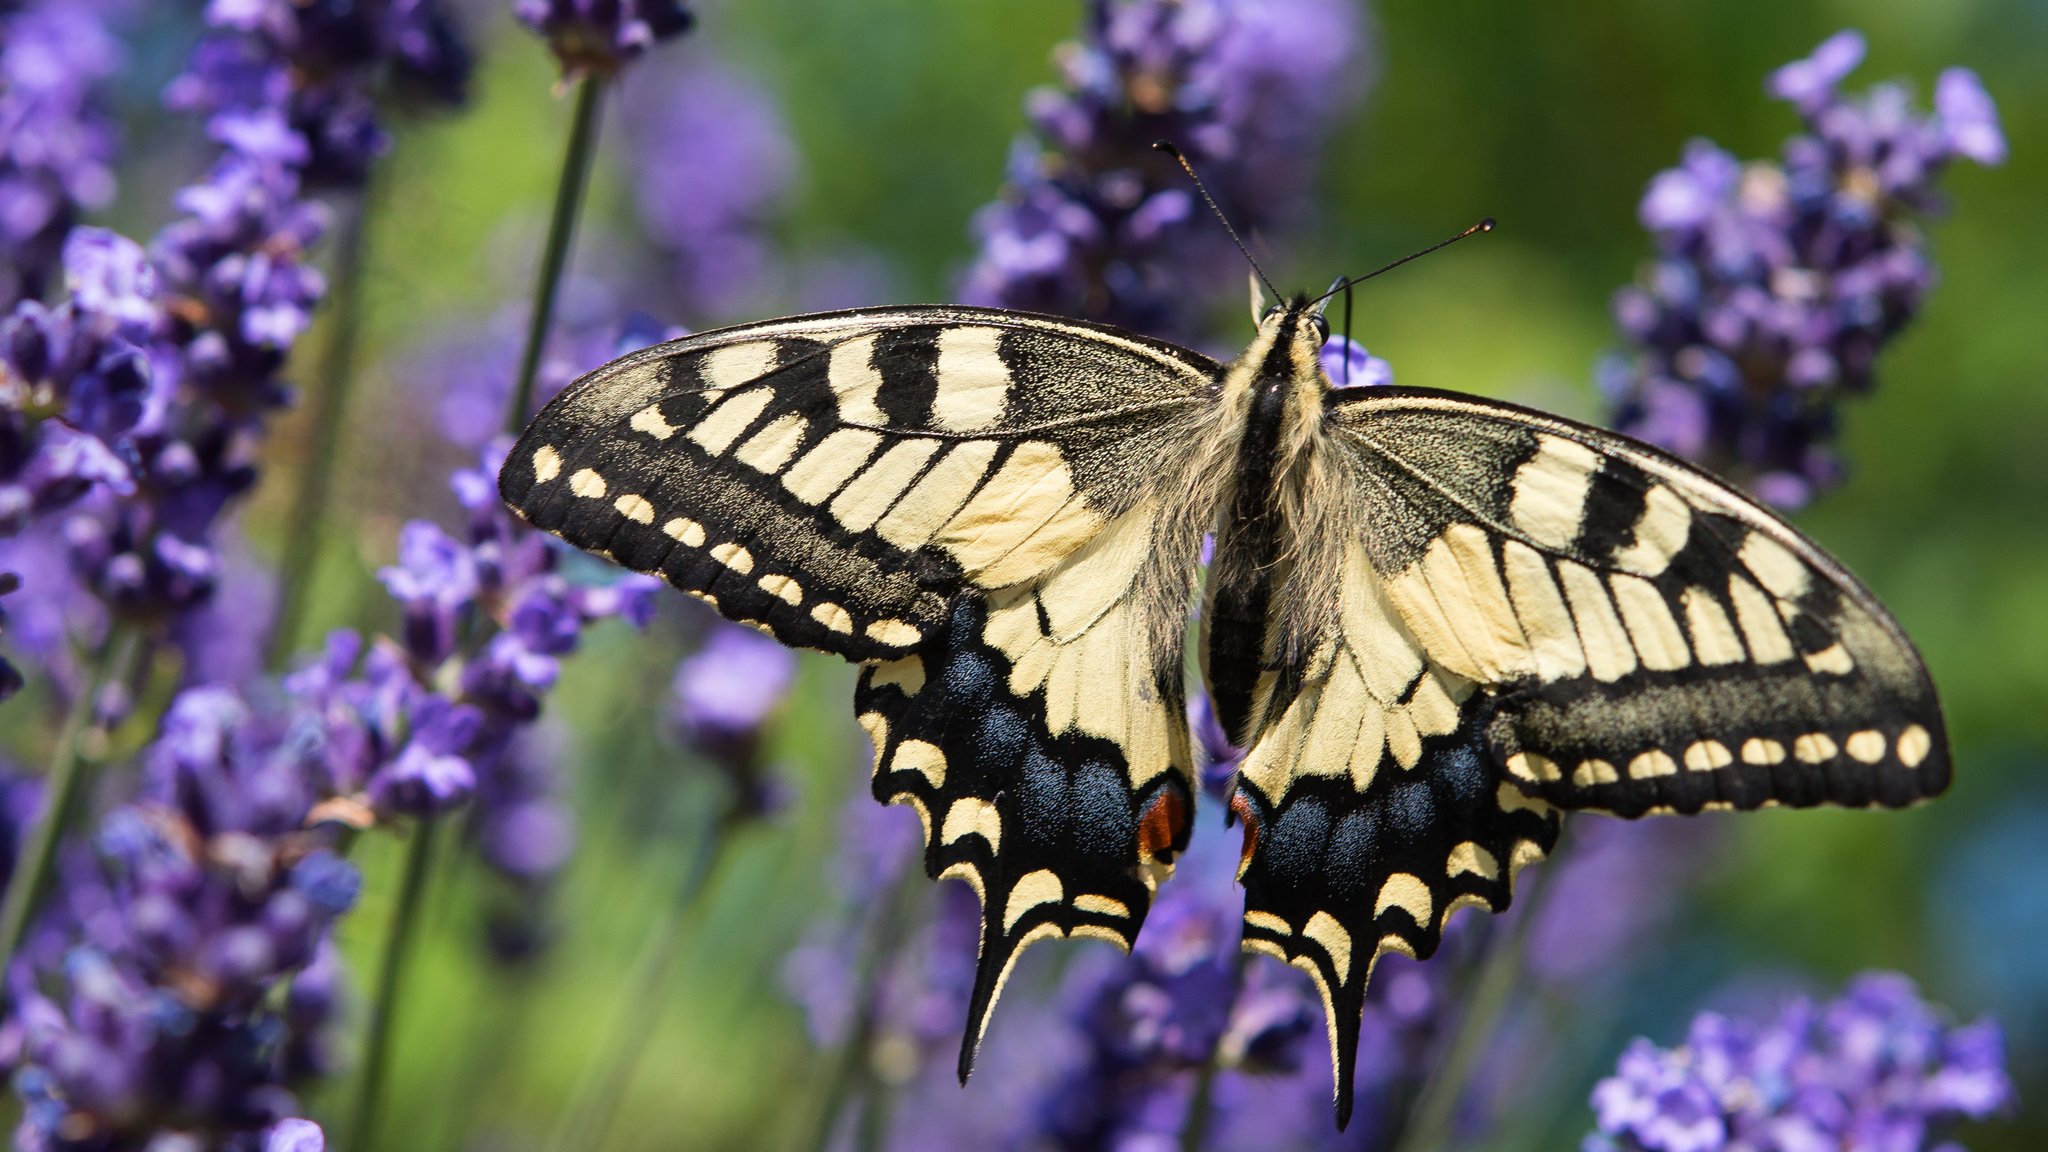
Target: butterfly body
1433,621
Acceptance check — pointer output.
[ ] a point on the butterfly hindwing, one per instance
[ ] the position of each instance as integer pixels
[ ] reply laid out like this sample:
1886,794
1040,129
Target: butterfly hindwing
1653,640
966,501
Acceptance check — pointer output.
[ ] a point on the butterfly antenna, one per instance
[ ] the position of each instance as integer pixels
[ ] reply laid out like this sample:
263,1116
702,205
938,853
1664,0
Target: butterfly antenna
1168,147
1485,225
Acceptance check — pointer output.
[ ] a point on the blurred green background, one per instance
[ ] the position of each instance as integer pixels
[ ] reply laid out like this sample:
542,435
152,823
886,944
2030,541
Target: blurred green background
1550,118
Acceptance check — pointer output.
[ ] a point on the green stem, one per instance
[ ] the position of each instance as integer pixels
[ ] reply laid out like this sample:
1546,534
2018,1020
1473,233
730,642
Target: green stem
1427,1125
384,1006
61,794
848,1063
597,1097
330,405
576,165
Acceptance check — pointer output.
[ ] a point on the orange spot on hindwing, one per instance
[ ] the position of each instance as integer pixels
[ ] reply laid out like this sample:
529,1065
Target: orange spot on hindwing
1163,825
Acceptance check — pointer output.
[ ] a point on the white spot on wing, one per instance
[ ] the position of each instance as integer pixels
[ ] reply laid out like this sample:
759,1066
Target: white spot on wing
737,364
588,484
926,760
1033,889
893,632
1609,653
1774,566
734,557
1867,746
635,508
1549,490
1914,745
1324,929
1713,636
1660,533
770,449
973,381
650,421
547,464
688,532
814,478
833,617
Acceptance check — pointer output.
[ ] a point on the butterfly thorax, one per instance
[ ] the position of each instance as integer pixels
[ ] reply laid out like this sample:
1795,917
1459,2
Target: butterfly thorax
1260,619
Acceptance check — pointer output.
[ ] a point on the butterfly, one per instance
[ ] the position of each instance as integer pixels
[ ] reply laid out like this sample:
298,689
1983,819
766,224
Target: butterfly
1435,622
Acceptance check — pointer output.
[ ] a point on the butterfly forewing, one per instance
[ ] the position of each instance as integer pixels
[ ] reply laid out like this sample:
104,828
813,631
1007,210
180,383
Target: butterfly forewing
1655,640
970,502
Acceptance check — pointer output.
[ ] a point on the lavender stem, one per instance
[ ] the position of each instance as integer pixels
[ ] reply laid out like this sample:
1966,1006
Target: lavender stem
847,1063
576,164
596,1102
61,788
337,379
1427,1125
419,853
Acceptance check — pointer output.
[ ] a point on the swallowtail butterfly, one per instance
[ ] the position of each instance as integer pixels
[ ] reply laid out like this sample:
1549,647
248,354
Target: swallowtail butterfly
1436,622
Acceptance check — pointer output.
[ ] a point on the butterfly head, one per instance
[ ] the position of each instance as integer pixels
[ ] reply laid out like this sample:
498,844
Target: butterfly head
1290,340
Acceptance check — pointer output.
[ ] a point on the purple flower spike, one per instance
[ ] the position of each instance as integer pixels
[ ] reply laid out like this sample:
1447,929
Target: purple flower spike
1810,83
1876,1068
57,143
1777,284
1093,222
1968,118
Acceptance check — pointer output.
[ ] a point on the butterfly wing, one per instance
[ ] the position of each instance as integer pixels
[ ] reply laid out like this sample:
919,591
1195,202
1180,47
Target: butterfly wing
1652,640
1537,615
971,504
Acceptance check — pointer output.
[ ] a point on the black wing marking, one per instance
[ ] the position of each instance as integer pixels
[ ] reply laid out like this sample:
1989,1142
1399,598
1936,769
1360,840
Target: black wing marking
1655,640
834,479
968,501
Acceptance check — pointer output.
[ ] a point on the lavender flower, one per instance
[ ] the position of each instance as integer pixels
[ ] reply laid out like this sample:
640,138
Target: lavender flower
207,896
724,694
1349,365
417,725
601,36
1093,222
712,164
296,81
1876,1068
1778,283
56,141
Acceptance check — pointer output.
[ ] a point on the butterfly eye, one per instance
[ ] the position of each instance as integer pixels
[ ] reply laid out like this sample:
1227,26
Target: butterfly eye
1322,327
1271,312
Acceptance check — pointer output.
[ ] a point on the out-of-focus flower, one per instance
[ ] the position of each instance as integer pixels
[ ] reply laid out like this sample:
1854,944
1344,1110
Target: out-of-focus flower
1876,1068
207,894
56,141
1778,283
297,81
1093,222
419,724
1349,365
712,164
724,694
601,36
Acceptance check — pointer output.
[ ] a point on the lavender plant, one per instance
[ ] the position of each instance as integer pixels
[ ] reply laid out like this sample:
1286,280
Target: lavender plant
1877,1067
57,141
1777,284
1092,222
158,1015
